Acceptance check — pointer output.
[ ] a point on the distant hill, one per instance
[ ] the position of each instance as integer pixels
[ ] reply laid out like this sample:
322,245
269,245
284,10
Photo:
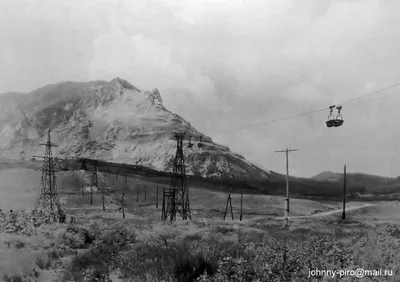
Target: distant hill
373,183
328,176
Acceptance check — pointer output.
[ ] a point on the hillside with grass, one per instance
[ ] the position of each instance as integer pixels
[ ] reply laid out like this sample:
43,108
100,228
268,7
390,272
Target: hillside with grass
373,184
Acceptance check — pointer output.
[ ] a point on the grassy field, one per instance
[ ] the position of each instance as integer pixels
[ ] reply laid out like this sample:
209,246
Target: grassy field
18,188
141,194
141,247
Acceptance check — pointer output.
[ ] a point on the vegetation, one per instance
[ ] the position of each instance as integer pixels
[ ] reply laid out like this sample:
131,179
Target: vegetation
200,251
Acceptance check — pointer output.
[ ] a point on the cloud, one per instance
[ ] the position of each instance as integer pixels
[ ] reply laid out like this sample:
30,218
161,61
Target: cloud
303,91
223,64
147,62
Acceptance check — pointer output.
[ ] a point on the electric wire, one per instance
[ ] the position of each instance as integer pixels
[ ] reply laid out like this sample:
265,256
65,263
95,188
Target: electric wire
345,102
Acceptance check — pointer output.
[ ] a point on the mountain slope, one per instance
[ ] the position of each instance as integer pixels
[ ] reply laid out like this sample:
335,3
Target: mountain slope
112,121
370,182
328,176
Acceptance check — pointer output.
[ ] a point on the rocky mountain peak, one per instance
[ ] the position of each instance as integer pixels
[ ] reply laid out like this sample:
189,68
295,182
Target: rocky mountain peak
124,84
112,121
154,97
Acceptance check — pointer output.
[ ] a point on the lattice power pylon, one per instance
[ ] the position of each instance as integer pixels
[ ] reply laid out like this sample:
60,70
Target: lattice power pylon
48,198
176,198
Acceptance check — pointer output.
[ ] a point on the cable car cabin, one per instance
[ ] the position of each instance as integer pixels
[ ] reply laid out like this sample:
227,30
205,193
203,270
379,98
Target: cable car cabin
334,121
337,122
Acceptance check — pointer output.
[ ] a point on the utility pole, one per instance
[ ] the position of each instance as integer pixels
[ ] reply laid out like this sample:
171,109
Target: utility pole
344,194
157,198
137,192
228,202
287,183
102,191
123,196
93,182
241,205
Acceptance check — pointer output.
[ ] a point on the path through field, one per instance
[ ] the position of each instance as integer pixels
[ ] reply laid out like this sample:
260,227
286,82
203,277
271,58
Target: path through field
331,212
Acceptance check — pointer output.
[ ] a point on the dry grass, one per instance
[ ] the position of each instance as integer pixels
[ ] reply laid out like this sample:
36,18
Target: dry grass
150,250
19,188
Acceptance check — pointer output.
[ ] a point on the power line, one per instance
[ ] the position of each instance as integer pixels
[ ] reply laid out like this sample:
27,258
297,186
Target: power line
370,94
281,119
287,183
314,111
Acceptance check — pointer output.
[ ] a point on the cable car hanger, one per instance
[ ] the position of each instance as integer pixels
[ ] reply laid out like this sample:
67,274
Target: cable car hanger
338,123
335,121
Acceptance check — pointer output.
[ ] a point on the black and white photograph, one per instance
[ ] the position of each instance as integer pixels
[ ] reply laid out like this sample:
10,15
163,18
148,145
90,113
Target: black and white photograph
199,140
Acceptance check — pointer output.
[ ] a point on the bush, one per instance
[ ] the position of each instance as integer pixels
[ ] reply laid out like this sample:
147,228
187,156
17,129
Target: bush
163,263
43,262
99,260
14,278
76,237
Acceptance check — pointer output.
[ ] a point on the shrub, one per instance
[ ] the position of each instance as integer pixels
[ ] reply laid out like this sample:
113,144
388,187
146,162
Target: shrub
76,237
164,263
14,278
43,262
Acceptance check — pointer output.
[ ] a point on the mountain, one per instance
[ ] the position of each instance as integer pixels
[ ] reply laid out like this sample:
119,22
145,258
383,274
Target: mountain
112,121
328,176
117,122
372,183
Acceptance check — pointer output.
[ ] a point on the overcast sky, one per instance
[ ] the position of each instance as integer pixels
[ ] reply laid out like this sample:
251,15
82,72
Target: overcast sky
225,64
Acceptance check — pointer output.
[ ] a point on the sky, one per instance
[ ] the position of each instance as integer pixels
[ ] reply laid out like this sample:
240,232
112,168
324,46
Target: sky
224,64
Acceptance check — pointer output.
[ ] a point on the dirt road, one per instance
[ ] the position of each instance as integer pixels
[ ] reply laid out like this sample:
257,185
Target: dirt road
330,212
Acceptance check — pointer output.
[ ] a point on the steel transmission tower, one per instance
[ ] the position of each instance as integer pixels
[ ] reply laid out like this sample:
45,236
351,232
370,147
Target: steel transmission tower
176,198
48,198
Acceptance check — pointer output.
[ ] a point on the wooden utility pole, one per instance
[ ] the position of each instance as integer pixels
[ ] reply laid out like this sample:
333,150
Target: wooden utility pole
123,196
229,201
102,191
241,205
344,194
287,211
137,193
157,198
